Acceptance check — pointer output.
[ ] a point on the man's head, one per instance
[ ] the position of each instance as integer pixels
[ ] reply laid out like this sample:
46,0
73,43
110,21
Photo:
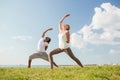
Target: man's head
47,39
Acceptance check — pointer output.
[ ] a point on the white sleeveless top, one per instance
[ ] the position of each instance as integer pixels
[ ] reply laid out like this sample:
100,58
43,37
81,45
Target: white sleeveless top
62,41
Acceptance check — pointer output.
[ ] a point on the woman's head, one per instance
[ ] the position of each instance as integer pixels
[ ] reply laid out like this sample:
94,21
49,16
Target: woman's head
66,26
47,39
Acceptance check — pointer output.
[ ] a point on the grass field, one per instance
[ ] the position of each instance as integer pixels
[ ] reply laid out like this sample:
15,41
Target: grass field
62,73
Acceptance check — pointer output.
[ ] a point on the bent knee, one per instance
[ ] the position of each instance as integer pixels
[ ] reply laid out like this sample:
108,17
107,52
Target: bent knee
50,54
30,57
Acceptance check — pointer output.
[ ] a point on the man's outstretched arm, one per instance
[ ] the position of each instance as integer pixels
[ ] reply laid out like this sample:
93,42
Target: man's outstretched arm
43,35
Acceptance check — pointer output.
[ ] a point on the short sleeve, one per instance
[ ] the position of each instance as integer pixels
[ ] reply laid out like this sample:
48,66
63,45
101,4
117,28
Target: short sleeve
41,39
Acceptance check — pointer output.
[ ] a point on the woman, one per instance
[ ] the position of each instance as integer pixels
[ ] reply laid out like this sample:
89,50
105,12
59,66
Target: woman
64,40
41,51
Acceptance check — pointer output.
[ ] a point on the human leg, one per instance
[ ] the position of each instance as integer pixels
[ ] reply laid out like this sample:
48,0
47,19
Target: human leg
45,57
53,52
70,53
29,63
31,57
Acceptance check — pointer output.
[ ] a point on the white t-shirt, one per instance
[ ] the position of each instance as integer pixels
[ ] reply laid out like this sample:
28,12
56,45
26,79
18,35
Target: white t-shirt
41,45
62,41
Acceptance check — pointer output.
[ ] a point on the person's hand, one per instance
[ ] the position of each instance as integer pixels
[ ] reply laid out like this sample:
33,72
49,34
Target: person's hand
67,42
67,15
50,29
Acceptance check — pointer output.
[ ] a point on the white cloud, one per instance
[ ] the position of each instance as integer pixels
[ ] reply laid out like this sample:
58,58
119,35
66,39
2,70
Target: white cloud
104,28
23,38
75,43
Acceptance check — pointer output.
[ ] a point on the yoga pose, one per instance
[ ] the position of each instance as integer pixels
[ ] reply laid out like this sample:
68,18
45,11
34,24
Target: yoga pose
42,47
64,40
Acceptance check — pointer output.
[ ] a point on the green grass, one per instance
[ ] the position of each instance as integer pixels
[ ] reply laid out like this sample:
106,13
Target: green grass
62,73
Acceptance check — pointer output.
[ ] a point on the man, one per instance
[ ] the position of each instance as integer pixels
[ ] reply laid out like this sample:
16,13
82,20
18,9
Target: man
41,50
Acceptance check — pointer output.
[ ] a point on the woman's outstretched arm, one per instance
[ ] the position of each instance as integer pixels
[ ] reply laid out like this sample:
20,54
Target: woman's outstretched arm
60,22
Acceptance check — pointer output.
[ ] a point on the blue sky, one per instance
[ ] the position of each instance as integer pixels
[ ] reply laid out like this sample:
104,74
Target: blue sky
94,29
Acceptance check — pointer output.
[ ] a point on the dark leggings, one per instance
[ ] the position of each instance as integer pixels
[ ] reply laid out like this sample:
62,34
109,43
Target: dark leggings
67,51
